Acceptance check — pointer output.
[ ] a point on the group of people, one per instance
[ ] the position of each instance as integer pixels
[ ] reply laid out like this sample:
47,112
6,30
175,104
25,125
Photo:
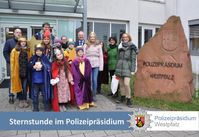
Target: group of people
67,72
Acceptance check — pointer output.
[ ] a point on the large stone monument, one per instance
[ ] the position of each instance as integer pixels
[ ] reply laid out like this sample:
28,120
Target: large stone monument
164,65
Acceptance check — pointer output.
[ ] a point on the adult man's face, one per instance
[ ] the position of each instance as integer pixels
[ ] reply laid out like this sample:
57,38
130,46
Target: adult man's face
81,35
46,27
64,40
17,33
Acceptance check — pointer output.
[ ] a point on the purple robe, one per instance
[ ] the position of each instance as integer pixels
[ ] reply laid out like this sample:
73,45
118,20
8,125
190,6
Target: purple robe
82,83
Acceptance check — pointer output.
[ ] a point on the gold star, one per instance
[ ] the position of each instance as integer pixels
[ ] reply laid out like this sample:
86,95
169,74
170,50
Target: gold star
32,42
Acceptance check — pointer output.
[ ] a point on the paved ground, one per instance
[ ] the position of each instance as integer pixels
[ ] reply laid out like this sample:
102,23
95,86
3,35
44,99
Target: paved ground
103,104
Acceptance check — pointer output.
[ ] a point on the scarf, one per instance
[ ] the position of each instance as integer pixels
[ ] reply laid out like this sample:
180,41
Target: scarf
112,46
126,44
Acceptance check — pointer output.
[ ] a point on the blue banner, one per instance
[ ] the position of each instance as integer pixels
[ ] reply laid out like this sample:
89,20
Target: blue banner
65,121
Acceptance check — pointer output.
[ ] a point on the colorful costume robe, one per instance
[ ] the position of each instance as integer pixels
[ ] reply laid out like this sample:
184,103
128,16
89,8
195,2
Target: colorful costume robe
82,82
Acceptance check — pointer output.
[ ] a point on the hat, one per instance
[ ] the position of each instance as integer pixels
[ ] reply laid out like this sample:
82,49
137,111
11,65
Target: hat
22,39
57,40
78,48
71,43
57,51
39,47
46,34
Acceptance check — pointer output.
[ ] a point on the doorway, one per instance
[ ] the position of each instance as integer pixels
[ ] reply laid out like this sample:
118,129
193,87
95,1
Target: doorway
7,32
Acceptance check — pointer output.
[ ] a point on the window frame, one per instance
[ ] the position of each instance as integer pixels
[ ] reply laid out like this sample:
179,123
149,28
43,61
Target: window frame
192,23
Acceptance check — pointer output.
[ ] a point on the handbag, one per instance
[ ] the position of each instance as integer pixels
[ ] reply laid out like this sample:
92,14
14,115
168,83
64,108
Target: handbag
114,83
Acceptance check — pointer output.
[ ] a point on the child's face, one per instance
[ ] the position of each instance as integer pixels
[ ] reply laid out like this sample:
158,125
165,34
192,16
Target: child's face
23,43
71,46
80,53
59,56
38,52
46,41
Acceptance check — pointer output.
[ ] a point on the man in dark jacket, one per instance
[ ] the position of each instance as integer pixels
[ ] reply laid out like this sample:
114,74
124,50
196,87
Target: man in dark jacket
80,41
64,42
9,45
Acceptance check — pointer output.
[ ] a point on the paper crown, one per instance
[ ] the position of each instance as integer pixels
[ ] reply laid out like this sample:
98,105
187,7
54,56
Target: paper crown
46,34
22,39
71,43
39,46
78,48
57,51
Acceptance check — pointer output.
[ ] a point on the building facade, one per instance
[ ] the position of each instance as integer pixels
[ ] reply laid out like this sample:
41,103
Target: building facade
141,18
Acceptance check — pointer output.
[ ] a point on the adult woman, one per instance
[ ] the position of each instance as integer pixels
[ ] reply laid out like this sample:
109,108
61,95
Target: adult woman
112,49
126,65
93,51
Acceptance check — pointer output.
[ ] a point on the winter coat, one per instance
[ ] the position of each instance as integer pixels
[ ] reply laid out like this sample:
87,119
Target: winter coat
126,60
46,75
8,47
112,56
14,69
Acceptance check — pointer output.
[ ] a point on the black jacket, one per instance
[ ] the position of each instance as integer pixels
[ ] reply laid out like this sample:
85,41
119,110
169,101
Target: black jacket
9,45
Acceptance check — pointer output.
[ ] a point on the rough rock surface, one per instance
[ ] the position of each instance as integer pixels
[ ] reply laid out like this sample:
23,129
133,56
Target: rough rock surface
164,65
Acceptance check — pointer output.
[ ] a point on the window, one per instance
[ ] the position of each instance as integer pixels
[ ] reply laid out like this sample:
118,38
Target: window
9,32
139,37
79,27
194,39
147,34
117,30
156,30
35,30
102,31
66,27
158,1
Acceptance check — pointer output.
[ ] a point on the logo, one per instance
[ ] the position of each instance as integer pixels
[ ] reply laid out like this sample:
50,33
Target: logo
139,120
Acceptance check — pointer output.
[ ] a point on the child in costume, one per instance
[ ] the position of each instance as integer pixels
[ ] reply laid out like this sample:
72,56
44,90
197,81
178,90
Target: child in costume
81,70
46,43
40,75
61,77
19,58
70,52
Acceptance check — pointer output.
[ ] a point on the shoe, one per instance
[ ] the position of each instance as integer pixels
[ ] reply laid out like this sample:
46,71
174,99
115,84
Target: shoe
122,99
11,100
115,96
110,94
64,108
61,109
35,108
99,92
94,98
129,103
25,104
21,104
84,106
92,104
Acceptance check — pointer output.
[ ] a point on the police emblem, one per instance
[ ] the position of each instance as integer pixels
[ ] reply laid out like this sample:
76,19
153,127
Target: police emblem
139,120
